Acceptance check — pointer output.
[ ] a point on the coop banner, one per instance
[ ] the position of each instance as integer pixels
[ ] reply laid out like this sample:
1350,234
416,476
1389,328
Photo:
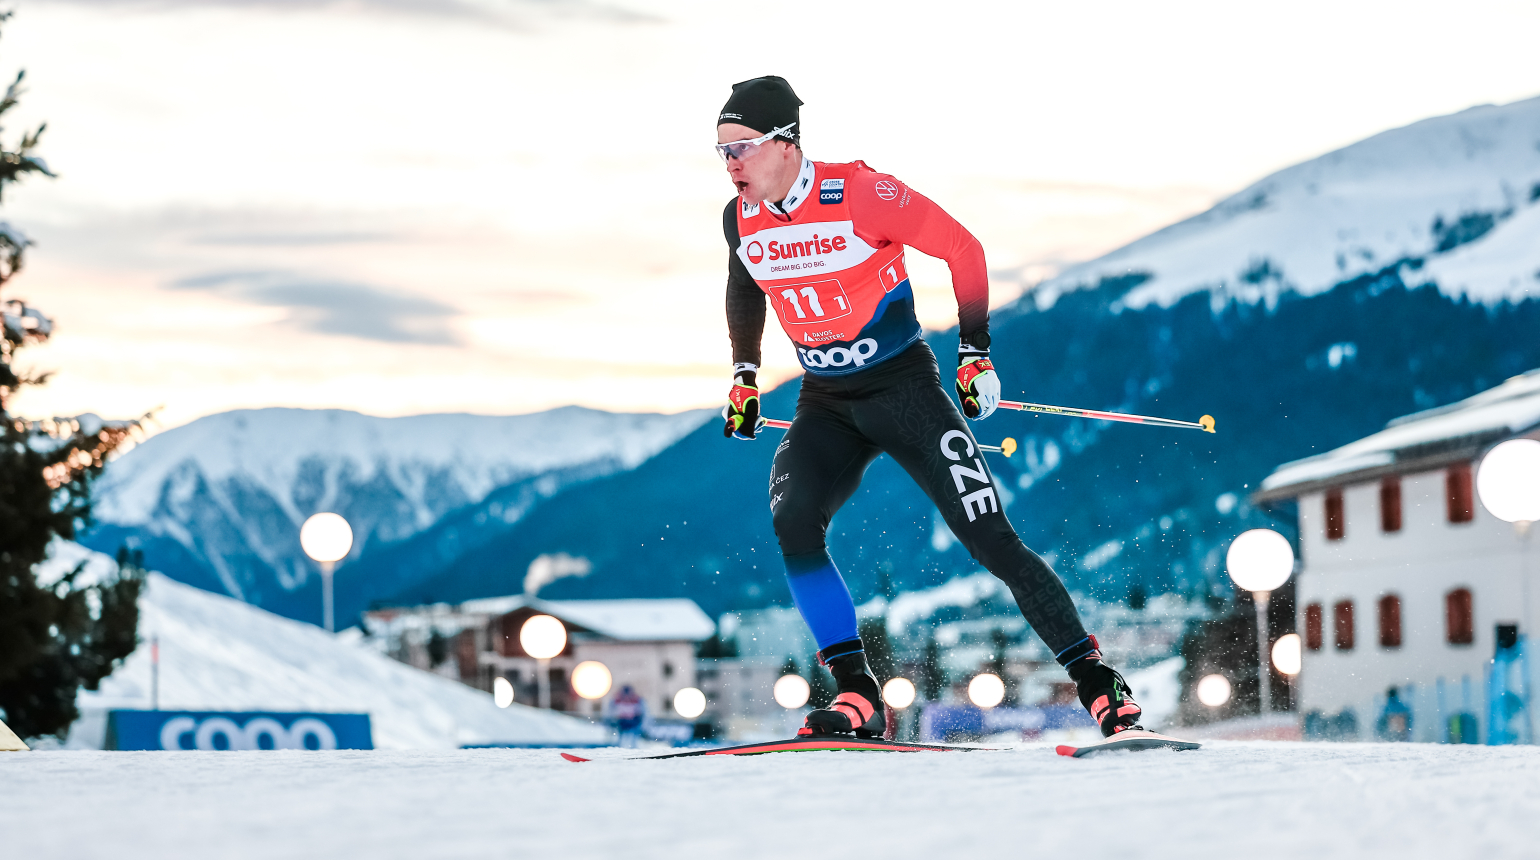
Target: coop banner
225,730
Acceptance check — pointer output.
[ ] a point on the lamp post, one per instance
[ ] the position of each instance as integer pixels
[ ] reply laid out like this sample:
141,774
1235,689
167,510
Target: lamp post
543,637
1286,659
899,694
1259,561
1508,483
326,538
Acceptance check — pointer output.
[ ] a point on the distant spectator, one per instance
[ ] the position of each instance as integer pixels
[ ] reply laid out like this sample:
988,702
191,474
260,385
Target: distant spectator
1395,722
628,712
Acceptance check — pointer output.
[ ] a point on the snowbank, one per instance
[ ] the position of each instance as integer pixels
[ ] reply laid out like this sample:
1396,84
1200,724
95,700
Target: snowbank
224,655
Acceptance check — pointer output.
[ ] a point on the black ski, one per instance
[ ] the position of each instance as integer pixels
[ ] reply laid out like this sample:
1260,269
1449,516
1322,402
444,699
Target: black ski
830,743
1130,740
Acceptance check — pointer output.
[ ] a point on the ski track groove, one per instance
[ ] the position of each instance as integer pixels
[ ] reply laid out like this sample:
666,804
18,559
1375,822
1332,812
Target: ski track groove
1248,799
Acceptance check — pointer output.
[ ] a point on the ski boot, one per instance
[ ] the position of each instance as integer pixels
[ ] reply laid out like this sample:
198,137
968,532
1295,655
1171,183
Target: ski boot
1105,694
858,707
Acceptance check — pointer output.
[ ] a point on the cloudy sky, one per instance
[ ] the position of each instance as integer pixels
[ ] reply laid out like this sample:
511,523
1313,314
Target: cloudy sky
495,206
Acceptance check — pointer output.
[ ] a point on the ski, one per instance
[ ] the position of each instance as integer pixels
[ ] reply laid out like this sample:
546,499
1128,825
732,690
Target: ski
1130,740
836,743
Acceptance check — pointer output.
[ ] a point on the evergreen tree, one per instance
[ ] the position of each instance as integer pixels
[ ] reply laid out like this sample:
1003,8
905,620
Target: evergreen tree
58,636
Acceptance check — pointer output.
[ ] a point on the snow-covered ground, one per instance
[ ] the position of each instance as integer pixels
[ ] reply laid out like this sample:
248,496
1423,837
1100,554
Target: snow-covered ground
1255,800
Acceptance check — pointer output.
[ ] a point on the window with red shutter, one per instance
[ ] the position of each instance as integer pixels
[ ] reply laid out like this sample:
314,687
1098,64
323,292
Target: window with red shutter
1336,521
1390,504
1457,485
1459,617
1342,625
1390,621
1313,625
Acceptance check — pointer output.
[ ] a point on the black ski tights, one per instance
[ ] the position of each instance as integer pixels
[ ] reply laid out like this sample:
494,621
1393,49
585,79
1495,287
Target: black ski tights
899,406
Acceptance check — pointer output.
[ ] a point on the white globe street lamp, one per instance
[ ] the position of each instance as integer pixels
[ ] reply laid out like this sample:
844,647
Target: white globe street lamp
591,679
326,538
1508,483
689,703
1214,690
898,693
543,637
986,690
791,691
1259,561
502,692
1287,659
1286,654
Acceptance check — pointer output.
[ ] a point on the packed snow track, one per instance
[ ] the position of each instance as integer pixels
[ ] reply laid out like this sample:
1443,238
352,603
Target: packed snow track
1228,800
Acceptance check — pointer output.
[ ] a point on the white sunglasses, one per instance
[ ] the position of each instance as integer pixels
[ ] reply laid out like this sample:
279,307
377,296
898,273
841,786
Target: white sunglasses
741,149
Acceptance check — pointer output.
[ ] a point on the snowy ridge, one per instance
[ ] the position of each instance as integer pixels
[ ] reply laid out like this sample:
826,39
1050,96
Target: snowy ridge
271,447
1462,191
218,654
219,502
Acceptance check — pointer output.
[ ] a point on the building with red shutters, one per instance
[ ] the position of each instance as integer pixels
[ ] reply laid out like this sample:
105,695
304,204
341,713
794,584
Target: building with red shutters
1406,581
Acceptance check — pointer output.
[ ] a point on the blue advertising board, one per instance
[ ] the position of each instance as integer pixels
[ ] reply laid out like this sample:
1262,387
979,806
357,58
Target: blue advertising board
231,730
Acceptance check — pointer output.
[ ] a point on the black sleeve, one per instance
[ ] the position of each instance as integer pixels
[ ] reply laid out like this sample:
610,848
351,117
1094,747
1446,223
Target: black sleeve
745,300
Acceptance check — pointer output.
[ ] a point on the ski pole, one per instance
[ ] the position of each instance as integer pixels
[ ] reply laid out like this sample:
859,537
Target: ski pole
1006,446
1206,423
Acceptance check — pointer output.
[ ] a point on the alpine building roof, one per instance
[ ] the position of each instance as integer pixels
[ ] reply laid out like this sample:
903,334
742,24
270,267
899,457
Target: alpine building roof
1418,442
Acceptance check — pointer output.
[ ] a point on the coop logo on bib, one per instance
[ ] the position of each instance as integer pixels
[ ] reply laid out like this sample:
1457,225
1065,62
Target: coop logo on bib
831,191
839,356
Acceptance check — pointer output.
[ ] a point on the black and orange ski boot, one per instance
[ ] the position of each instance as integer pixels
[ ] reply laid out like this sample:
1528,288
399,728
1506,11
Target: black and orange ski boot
1106,695
857,709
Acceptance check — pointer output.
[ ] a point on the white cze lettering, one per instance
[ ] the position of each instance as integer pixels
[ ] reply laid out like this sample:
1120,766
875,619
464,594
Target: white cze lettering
947,449
984,500
959,471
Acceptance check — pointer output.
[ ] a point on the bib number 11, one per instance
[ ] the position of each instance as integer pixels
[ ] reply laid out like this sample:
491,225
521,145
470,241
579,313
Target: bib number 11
807,304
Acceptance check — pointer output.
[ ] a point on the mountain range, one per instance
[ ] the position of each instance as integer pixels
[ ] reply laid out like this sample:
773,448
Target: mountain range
218,503
1396,274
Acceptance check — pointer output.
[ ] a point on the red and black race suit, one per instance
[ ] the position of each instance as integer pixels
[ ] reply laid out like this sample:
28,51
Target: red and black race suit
830,258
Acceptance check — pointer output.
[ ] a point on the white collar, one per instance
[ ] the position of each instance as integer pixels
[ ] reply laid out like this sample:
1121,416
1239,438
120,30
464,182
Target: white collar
800,191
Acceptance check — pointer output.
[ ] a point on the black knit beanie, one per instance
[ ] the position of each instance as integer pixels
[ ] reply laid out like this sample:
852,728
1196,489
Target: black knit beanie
764,104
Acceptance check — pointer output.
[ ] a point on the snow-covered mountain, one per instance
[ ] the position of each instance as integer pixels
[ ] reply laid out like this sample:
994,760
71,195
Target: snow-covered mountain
1456,192
219,502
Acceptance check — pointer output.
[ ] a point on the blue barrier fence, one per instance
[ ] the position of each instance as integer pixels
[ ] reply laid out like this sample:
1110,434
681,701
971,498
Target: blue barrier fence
229,730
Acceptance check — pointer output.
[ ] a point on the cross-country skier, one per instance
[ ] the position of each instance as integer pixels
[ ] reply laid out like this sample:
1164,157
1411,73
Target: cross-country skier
826,243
